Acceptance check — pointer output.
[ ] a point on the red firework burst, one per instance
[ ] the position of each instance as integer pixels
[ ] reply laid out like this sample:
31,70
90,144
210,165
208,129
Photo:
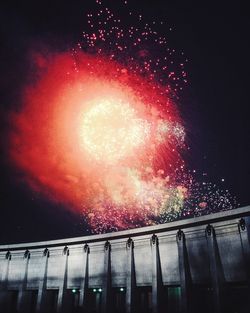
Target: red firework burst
99,130
97,139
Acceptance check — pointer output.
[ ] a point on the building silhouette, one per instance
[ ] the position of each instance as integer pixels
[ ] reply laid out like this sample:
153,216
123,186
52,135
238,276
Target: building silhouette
196,265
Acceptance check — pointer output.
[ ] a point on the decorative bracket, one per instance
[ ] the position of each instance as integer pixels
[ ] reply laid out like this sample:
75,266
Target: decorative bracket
66,250
242,224
86,248
154,239
8,255
46,252
180,235
209,230
130,243
27,254
107,245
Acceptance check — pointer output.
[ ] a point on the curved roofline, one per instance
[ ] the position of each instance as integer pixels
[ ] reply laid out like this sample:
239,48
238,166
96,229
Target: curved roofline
185,223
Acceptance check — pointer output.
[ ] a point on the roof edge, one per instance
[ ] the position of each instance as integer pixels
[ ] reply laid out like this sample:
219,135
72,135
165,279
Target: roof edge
185,223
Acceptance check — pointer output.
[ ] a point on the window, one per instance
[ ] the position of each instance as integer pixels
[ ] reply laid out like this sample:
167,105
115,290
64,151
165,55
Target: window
32,301
174,297
143,301
236,298
201,299
51,300
94,298
13,295
118,300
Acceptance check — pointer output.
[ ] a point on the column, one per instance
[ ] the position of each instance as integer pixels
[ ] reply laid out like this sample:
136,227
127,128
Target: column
106,287
4,281
5,271
185,279
214,267
23,284
84,282
63,285
131,280
156,275
245,246
42,282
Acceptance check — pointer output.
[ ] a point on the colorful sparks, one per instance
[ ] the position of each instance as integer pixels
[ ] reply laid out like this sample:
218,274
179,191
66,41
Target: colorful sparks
99,129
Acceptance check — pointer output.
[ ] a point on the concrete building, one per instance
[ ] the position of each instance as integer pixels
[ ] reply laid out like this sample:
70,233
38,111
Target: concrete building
196,265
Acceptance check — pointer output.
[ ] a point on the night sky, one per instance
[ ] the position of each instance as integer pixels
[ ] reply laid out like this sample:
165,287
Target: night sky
214,105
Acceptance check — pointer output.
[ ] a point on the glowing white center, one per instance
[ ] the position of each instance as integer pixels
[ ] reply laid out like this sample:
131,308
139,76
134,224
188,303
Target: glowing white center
112,131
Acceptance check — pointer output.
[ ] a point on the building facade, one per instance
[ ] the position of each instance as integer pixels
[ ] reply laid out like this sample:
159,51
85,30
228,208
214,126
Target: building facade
196,265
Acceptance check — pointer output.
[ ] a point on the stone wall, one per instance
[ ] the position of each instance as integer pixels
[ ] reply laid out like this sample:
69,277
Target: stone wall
174,267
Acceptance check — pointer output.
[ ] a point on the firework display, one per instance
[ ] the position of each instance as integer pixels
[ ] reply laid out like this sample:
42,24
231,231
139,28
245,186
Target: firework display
99,129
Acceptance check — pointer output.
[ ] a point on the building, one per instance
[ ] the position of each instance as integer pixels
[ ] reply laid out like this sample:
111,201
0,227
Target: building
200,264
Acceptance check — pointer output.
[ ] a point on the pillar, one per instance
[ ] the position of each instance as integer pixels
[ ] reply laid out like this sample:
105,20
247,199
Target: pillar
4,281
245,246
214,267
106,287
63,284
185,279
23,284
5,271
42,282
84,282
156,275
130,280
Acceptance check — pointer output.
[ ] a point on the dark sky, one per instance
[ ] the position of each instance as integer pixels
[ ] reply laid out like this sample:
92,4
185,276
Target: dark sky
215,105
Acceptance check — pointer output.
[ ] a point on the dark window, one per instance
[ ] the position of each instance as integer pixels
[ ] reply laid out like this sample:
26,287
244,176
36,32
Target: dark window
201,299
13,295
71,301
173,299
143,301
236,298
33,301
94,297
51,300
118,300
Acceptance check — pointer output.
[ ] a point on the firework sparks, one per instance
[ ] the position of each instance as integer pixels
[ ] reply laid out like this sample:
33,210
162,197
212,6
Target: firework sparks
111,131
100,130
